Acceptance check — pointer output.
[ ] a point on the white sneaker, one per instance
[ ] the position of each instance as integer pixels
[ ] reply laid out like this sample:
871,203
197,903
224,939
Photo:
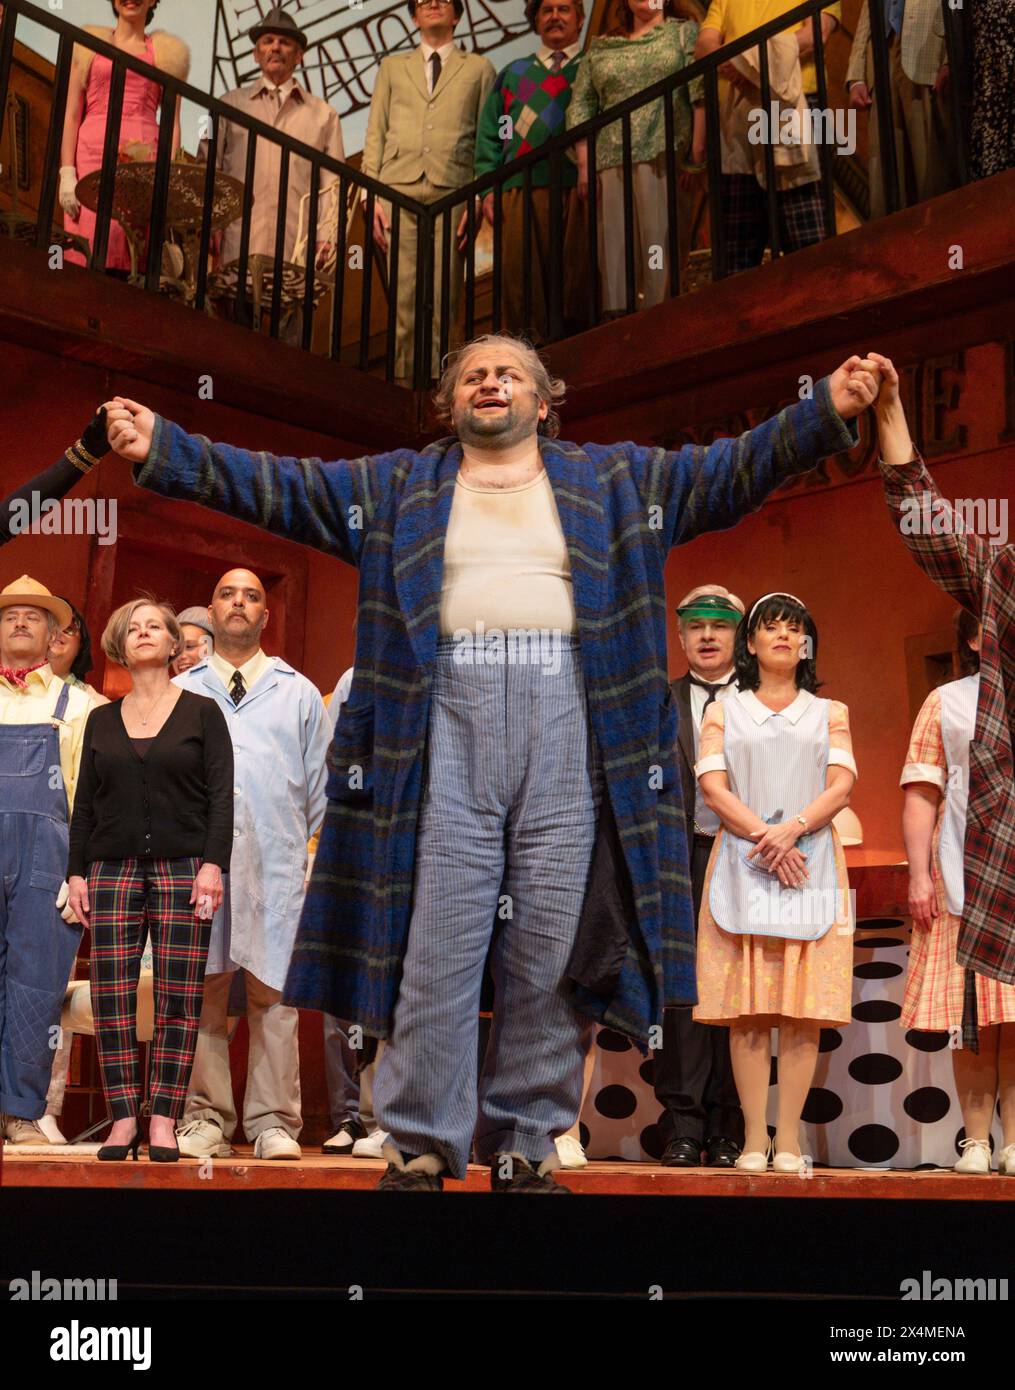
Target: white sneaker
202,1139
50,1128
19,1131
570,1152
372,1146
975,1156
1006,1160
276,1143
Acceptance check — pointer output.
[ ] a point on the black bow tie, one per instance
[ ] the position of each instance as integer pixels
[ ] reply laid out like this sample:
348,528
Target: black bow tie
712,689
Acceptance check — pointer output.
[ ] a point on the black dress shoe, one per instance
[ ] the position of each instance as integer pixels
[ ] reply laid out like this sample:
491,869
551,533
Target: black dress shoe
721,1153
681,1153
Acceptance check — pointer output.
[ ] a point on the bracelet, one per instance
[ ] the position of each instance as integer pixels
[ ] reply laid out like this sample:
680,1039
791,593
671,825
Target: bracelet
692,168
79,456
803,821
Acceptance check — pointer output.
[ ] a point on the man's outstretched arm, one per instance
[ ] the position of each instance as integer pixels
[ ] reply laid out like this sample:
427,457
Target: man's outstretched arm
326,505
697,488
954,557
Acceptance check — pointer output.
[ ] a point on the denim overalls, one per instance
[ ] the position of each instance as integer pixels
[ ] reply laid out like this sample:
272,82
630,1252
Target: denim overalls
37,947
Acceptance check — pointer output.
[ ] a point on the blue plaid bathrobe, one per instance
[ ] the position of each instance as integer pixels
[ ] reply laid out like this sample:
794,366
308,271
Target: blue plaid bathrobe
622,507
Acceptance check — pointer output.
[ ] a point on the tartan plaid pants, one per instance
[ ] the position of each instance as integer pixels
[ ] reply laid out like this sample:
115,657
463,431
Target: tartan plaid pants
745,219
128,898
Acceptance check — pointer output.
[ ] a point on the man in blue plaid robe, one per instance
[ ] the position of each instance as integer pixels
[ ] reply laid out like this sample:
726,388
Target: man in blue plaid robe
422,853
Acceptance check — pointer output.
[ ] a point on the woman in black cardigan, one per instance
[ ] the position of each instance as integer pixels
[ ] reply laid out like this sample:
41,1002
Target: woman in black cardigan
150,837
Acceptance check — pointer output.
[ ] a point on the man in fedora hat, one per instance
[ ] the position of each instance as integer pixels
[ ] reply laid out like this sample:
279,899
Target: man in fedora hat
277,99
42,723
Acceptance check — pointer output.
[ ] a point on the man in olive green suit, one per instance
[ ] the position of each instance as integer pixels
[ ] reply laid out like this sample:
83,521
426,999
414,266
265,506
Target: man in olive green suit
420,141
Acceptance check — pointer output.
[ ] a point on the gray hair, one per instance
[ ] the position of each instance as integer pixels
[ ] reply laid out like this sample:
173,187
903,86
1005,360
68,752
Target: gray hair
549,388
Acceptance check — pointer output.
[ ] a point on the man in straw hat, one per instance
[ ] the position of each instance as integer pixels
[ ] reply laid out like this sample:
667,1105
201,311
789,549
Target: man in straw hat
42,723
499,528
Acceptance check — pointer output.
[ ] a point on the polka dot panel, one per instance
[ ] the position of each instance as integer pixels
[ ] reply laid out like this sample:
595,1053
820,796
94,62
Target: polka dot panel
883,1096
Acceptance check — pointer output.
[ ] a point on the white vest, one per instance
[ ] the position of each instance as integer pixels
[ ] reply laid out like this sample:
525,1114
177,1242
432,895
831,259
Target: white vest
958,721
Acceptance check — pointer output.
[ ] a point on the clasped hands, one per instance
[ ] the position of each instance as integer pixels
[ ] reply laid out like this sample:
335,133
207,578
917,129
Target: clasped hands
777,850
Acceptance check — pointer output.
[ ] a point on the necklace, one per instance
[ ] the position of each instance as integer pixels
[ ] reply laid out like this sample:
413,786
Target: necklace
144,719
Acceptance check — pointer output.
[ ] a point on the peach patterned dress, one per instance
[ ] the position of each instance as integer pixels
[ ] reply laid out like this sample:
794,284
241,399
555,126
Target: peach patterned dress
770,976
935,981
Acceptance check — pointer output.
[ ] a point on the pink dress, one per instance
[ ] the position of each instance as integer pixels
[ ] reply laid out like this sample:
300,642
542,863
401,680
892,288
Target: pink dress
141,100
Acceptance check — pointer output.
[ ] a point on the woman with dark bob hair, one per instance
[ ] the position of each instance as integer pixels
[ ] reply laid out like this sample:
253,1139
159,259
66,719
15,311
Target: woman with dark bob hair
775,934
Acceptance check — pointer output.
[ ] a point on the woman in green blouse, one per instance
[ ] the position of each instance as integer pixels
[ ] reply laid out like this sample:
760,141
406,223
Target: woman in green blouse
617,66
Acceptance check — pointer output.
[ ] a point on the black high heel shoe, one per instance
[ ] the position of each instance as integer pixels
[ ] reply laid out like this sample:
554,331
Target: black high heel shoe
111,1153
159,1153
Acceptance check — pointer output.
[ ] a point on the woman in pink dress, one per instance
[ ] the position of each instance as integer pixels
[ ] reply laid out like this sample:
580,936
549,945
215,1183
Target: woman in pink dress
84,130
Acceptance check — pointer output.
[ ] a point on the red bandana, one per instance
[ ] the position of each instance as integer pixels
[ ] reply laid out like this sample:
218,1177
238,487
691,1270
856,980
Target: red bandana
17,678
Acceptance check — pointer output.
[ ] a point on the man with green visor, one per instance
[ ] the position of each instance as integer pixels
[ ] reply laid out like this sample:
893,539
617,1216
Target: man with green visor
701,1119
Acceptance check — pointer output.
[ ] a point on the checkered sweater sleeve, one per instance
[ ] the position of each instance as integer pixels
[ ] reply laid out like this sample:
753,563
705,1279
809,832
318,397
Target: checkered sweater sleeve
956,558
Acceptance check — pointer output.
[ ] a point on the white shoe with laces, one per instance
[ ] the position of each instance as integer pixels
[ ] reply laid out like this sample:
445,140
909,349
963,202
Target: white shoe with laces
1006,1161
276,1143
975,1156
570,1152
372,1146
202,1139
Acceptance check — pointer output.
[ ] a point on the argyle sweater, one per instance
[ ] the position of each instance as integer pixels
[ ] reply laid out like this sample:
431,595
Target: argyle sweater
536,100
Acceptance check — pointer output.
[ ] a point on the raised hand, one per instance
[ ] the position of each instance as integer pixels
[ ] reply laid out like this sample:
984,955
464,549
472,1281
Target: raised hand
129,427
854,386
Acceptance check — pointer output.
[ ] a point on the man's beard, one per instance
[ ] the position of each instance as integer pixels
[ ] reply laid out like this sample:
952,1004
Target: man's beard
498,431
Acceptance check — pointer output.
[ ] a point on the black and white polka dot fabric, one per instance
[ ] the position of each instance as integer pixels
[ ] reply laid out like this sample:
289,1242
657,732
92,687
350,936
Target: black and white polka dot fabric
883,1097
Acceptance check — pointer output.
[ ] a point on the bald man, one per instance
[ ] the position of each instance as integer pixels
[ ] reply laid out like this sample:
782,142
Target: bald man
280,731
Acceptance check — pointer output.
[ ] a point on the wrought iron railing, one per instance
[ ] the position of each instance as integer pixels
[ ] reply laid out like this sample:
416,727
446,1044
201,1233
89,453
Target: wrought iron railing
435,223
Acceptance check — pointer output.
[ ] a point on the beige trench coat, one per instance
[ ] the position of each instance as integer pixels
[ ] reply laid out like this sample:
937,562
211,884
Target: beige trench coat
305,118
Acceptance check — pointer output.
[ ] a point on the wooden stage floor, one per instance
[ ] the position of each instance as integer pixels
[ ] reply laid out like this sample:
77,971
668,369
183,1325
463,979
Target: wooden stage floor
317,1172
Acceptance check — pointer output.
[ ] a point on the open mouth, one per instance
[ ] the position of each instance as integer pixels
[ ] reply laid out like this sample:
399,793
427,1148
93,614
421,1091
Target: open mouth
492,405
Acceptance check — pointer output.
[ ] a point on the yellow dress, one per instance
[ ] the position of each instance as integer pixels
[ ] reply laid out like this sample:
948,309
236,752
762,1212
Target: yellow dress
767,976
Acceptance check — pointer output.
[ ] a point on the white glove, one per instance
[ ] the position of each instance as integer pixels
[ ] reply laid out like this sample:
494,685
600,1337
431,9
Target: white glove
64,907
68,184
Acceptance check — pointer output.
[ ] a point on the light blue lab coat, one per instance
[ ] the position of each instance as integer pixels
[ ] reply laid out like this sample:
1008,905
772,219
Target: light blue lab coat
280,732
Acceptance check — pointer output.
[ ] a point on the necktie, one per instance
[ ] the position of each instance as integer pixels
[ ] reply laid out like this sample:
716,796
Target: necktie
711,689
435,70
237,689
558,58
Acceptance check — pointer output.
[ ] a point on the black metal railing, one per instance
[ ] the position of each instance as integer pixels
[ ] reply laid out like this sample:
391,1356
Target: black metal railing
436,223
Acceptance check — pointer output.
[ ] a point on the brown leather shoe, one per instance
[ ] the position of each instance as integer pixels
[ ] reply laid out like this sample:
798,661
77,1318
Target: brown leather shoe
513,1173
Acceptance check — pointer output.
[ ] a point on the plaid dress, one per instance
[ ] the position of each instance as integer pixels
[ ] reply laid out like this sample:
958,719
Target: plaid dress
981,577
935,983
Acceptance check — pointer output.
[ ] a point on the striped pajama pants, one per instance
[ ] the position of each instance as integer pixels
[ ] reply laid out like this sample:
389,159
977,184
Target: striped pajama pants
505,839
129,898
